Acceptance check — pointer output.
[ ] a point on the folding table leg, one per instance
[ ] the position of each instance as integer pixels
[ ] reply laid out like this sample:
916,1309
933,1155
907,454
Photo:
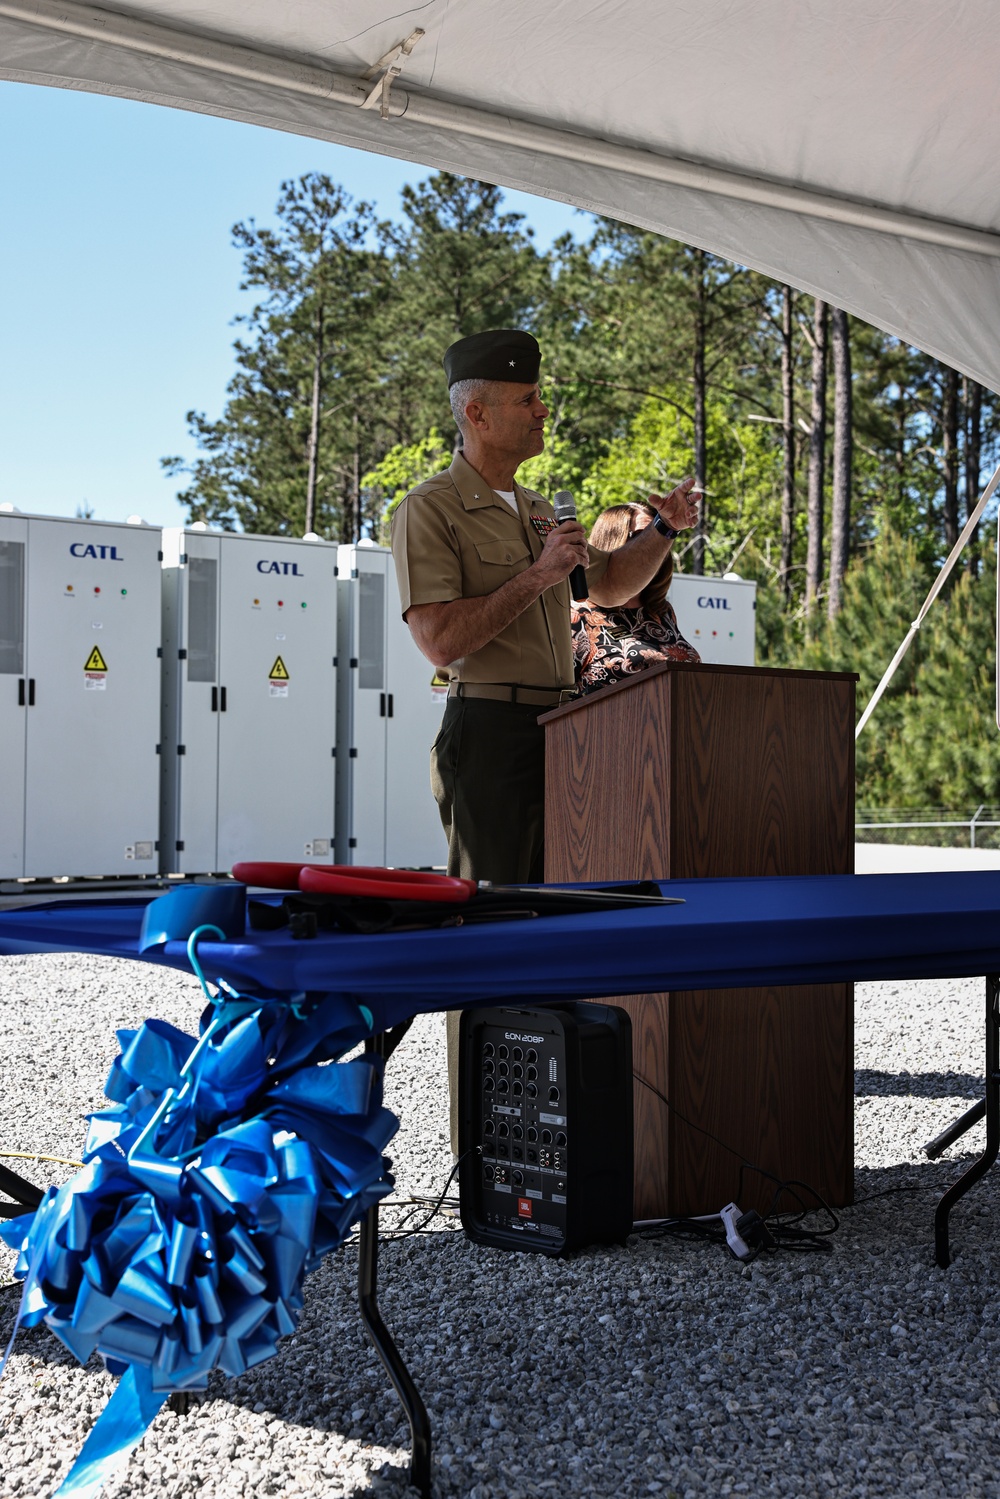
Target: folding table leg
409,1395
416,1411
991,1108
25,1194
955,1130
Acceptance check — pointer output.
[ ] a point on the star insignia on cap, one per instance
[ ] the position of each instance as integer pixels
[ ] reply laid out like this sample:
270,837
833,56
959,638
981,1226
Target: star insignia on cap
511,363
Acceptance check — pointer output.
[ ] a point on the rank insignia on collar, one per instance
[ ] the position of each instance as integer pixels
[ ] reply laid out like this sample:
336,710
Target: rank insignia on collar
543,524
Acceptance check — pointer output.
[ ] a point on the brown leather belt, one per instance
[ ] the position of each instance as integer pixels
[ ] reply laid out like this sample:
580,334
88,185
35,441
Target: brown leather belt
500,692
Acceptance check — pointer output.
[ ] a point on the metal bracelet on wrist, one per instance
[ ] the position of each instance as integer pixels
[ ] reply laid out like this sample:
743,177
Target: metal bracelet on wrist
659,524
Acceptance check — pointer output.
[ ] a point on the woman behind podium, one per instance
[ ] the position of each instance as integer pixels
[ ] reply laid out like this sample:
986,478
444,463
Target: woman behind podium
611,644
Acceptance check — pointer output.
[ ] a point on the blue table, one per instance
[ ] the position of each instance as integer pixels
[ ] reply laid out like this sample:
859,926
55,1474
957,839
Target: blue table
728,933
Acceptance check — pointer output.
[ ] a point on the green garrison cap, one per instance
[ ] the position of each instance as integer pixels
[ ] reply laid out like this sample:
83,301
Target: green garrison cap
501,354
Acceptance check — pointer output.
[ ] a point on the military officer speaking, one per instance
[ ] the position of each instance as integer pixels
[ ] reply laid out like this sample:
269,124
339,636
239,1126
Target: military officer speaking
483,572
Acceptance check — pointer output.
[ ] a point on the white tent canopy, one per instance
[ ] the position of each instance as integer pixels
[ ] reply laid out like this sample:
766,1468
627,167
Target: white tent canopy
844,147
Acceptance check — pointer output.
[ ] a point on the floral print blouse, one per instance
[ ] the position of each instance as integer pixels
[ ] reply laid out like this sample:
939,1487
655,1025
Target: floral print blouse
610,644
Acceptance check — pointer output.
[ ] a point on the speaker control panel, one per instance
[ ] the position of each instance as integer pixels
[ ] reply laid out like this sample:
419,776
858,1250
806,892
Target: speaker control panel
524,1129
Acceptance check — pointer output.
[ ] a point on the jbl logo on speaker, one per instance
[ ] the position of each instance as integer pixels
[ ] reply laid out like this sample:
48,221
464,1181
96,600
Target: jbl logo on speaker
545,1126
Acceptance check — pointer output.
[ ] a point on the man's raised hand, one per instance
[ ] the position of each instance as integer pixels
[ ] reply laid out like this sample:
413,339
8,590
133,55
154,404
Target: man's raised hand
680,507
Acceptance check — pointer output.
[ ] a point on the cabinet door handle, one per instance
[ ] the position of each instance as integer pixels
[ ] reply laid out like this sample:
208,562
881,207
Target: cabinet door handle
31,692
223,709
381,705
390,704
215,699
20,692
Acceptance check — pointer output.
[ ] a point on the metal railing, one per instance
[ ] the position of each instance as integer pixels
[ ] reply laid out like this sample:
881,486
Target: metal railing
931,825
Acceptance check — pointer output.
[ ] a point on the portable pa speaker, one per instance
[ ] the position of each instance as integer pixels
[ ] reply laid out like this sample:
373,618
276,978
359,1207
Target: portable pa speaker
547,1096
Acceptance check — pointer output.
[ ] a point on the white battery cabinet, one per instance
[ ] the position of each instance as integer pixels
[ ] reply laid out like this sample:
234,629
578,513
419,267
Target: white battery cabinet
249,722
718,616
388,716
79,697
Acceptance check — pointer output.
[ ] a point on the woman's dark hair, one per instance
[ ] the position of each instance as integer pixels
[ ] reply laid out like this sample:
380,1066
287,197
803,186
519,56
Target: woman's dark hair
612,529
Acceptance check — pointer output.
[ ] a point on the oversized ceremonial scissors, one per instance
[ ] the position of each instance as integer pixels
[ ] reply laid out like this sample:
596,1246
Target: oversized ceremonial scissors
356,879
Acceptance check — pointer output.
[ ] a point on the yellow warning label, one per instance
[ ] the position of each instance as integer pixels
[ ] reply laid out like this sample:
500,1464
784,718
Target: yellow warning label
279,671
95,661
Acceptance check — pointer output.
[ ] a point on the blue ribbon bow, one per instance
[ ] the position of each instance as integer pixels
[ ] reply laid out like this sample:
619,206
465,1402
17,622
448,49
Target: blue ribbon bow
224,1171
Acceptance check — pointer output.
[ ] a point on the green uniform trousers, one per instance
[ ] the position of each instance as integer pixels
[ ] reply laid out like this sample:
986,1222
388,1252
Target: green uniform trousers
488,778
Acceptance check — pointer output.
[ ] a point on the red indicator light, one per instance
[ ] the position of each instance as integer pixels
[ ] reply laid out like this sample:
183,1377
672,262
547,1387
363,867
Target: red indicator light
97,590
281,603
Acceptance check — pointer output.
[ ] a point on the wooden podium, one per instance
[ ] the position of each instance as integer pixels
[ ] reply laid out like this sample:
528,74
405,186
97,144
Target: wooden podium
687,771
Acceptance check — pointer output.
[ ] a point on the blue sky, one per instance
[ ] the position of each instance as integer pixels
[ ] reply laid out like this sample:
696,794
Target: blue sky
120,283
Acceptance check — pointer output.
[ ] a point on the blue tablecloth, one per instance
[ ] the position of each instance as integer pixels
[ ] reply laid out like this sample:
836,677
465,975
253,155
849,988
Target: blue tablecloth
729,933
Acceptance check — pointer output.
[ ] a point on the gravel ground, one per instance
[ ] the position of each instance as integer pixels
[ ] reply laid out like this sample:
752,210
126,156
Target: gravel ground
661,1368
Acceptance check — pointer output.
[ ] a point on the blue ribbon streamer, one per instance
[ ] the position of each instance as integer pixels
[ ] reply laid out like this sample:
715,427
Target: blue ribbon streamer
223,1172
123,1424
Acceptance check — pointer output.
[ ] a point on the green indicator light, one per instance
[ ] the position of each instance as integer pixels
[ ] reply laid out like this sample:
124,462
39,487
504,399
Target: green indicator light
303,603
124,592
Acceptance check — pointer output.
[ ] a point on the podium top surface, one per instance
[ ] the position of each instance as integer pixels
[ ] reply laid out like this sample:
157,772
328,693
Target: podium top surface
711,669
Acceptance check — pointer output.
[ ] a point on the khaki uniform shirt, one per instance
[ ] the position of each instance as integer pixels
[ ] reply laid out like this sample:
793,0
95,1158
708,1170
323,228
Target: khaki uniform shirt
454,538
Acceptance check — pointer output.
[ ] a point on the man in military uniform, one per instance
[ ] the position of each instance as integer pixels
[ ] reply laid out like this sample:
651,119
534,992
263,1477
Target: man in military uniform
483,574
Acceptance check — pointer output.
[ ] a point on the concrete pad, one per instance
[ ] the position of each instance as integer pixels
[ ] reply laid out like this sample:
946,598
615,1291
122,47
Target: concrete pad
905,858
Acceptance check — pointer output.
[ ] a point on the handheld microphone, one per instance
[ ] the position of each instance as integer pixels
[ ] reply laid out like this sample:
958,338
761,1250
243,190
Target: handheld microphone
565,508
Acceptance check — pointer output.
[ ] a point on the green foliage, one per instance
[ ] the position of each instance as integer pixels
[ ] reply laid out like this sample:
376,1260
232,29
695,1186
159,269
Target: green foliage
323,287
360,311
462,264
656,453
618,328
947,750
402,469
652,456
558,467
932,740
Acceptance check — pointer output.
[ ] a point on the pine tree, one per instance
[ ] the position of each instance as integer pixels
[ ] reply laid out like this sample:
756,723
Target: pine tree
283,455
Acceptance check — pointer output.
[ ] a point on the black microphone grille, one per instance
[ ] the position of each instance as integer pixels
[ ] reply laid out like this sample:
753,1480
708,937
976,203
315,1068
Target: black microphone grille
564,506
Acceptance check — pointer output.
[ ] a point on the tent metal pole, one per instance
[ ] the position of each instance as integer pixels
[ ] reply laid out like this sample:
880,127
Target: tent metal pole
936,588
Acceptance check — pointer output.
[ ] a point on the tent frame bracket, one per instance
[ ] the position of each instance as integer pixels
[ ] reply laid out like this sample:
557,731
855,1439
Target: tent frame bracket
392,62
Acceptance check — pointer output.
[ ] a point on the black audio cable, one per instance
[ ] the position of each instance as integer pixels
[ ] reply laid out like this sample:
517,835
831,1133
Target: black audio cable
401,1231
772,1230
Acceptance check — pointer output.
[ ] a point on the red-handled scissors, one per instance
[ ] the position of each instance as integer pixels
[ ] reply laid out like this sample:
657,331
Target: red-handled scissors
356,879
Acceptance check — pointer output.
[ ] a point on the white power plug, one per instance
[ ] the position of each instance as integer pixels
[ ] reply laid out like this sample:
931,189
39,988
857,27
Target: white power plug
729,1216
